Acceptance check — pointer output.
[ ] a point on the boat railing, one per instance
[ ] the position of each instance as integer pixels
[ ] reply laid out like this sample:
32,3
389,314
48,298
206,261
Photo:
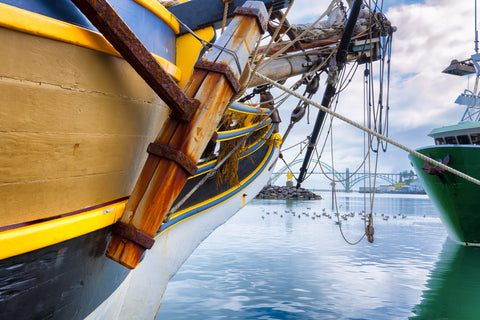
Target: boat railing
471,101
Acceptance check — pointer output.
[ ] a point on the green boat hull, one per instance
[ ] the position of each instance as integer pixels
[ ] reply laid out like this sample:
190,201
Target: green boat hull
457,200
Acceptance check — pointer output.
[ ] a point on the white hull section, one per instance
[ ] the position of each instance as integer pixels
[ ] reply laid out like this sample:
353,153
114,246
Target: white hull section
140,295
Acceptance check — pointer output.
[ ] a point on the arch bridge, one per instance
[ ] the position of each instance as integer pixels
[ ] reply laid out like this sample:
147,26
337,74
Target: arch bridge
356,178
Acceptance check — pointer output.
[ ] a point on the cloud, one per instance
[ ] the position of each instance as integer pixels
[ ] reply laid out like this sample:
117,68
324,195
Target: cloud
429,36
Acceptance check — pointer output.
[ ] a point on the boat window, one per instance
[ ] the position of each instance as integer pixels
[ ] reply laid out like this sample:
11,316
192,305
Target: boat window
439,141
463,139
450,140
475,138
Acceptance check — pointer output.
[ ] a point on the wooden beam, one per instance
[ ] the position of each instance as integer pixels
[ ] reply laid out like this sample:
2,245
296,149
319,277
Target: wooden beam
213,83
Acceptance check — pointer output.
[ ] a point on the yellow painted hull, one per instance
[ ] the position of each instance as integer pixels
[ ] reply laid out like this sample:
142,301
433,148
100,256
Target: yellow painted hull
75,126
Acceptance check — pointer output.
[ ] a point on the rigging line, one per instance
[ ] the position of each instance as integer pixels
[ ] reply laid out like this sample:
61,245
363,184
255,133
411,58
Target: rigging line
285,149
331,118
206,43
344,84
225,13
336,98
291,162
330,127
275,33
288,167
334,191
368,229
383,119
376,107
212,171
382,137
299,37
307,176
350,176
373,107
387,111
377,155
366,146
369,66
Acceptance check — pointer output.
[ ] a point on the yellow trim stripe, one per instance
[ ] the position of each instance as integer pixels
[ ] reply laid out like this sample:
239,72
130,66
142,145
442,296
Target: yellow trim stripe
247,130
25,21
160,11
25,239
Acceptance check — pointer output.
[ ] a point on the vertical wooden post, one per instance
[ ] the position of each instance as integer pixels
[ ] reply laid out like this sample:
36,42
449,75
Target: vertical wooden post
174,153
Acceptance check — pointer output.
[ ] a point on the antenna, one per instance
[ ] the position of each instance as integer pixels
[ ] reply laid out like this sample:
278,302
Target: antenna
476,30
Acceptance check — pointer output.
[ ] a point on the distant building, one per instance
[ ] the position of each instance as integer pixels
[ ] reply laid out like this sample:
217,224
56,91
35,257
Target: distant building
416,186
385,188
413,187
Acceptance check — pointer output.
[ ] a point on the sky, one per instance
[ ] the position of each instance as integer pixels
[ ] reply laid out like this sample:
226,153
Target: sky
429,35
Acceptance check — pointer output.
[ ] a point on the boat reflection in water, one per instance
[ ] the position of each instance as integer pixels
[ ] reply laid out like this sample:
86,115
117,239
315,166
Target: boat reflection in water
453,286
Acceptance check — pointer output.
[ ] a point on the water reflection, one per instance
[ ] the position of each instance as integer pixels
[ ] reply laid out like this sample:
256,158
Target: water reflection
453,287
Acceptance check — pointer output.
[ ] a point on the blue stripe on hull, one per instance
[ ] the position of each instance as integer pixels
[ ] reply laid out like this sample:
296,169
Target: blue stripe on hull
225,197
155,34
205,168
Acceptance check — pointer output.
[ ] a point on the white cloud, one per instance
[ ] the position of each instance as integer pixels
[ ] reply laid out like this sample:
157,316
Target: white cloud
429,36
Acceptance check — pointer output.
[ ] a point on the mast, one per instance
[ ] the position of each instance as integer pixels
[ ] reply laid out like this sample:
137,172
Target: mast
340,58
476,30
475,57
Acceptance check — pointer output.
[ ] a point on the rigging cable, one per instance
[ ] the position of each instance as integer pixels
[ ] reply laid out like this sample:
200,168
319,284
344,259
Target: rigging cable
337,63
382,137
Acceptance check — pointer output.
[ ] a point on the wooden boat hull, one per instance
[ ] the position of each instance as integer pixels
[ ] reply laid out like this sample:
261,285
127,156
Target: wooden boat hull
75,127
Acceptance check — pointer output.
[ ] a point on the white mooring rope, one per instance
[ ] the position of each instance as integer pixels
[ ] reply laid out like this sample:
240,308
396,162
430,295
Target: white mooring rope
359,126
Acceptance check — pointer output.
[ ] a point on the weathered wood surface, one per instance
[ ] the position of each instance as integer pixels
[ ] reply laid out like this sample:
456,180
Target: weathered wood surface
75,125
162,179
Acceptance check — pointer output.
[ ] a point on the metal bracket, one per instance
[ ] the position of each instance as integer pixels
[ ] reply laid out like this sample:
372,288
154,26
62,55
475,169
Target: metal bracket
167,152
133,234
220,68
254,12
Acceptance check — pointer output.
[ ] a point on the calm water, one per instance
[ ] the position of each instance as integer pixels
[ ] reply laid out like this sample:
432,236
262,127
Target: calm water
266,265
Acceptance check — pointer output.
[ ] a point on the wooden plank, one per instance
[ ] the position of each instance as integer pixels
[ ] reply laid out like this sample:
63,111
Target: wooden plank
42,199
75,111
51,62
60,155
